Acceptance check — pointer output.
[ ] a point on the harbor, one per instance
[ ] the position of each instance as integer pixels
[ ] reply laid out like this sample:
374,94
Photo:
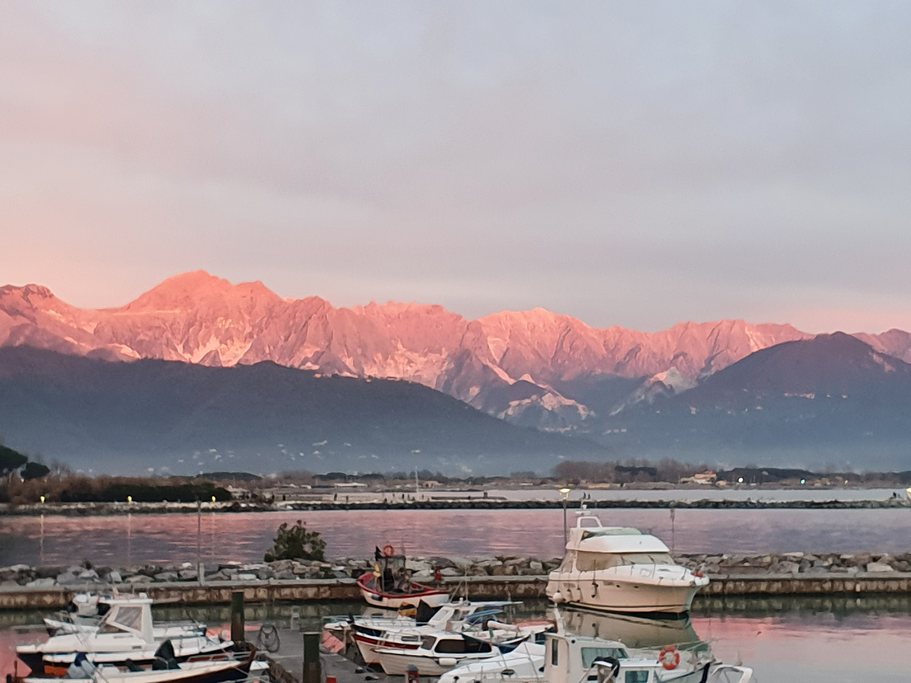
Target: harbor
283,607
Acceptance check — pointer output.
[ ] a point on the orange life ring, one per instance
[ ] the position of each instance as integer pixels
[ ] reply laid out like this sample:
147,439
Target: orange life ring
388,550
674,659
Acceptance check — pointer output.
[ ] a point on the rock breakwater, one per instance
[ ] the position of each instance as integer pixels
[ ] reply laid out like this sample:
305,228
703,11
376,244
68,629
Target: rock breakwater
429,569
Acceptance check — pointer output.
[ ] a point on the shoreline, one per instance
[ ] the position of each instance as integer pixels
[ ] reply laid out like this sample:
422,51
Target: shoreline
102,509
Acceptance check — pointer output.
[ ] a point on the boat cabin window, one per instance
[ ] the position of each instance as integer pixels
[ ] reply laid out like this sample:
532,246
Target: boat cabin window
554,657
461,646
127,617
635,676
589,562
590,654
647,558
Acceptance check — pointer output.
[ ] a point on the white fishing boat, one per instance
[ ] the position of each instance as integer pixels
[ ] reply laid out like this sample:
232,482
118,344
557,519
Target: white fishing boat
126,632
85,611
620,569
164,668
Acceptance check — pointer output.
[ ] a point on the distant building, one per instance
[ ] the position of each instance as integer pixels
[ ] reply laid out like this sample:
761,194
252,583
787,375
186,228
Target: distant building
239,493
703,479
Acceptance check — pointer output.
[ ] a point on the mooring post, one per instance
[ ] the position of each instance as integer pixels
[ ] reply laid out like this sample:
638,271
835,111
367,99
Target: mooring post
312,672
237,616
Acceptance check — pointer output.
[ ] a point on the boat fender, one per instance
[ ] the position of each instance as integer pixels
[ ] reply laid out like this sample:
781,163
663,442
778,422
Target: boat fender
594,588
669,658
557,597
447,661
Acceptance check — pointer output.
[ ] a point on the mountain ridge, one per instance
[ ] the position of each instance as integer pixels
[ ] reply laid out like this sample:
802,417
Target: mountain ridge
532,367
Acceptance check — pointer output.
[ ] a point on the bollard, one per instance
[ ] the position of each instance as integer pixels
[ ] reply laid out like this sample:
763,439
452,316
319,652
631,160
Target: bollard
237,616
330,679
411,674
312,672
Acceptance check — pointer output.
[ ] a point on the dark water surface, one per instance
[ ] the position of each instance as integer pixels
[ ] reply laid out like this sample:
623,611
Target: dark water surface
133,539
797,641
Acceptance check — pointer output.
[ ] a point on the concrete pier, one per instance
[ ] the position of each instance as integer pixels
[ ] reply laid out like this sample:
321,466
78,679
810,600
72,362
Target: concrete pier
478,587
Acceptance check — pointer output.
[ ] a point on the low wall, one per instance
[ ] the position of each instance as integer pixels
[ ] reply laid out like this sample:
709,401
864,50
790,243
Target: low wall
492,587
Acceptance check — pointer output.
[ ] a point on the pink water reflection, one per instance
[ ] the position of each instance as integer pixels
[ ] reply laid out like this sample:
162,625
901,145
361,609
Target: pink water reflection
134,539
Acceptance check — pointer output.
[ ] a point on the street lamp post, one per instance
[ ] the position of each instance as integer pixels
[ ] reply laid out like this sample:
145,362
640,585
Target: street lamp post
565,493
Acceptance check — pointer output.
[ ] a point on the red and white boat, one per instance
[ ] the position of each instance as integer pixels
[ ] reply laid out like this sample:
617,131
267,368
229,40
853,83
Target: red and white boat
389,585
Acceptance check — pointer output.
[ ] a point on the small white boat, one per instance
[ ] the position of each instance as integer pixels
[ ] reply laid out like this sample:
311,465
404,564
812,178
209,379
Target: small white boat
85,611
571,658
218,668
435,654
389,585
126,632
524,663
368,633
620,569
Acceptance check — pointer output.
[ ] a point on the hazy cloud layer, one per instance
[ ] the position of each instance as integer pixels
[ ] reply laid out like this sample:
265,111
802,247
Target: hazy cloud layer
630,163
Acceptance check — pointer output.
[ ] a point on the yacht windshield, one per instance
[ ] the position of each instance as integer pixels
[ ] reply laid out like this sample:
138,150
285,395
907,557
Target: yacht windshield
589,562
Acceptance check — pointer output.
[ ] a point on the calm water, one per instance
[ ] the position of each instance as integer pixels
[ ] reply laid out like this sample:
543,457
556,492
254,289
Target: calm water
134,539
807,642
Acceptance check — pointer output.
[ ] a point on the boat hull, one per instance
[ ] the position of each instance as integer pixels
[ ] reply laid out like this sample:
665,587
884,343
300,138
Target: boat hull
386,600
396,664
622,595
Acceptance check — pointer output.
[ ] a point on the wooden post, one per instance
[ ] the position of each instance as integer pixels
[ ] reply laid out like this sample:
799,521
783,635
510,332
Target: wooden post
312,672
237,616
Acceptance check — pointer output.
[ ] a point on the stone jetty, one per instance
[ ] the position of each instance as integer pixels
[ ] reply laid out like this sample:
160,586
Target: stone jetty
479,571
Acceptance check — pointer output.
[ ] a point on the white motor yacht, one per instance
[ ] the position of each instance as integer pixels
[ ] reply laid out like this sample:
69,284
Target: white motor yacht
620,569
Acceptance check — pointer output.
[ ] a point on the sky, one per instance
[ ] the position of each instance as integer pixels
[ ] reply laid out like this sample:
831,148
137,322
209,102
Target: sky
628,163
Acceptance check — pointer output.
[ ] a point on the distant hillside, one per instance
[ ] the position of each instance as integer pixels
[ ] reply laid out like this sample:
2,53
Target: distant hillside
832,399
127,417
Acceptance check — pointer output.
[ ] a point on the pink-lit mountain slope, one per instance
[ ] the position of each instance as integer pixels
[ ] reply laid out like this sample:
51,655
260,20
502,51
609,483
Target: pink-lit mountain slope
530,367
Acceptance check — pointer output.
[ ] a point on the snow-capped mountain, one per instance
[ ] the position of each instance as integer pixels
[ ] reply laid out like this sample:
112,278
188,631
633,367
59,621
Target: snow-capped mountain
535,367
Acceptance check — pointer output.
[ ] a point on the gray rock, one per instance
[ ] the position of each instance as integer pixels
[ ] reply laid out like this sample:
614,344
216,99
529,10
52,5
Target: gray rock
41,583
115,577
536,567
188,574
139,578
66,578
245,576
785,567
450,571
879,567
166,576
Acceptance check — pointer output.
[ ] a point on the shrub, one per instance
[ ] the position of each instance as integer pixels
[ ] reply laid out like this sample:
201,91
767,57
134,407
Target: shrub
296,543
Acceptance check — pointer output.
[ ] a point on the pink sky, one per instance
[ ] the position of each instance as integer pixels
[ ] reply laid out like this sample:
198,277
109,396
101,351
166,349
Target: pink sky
633,164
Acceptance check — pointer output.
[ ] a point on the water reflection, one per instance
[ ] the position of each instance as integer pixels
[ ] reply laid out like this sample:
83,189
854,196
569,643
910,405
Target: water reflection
141,538
633,630
787,640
